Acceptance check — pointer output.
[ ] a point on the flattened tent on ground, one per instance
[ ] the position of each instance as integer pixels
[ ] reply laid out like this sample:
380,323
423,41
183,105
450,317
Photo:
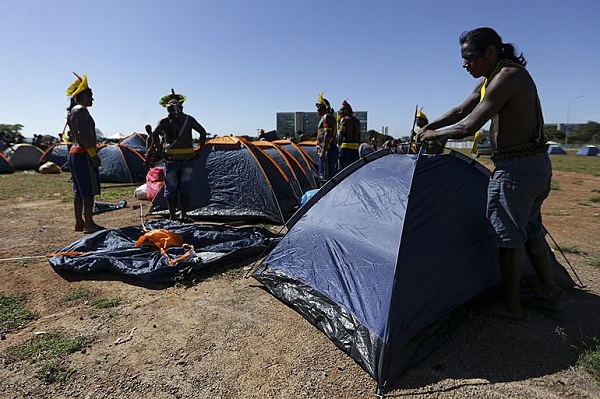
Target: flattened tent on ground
589,150
24,156
386,254
113,251
5,166
58,154
556,149
137,141
228,184
121,164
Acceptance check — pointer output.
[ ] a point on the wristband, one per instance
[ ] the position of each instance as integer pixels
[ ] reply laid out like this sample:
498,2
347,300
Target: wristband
92,152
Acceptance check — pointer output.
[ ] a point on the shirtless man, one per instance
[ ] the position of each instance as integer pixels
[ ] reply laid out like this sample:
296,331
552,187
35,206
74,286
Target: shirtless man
522,170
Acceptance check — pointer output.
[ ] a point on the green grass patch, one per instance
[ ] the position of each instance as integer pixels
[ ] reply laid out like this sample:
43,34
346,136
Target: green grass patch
80,295
49,352
589,360
570,249
554,185
104,303
33,185
578,182
594,261
13,313
595,199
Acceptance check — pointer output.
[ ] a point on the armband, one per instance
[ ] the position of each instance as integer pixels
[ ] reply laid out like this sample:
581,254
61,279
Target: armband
92,152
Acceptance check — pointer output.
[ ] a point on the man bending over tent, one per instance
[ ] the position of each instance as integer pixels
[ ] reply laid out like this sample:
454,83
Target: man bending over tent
522,170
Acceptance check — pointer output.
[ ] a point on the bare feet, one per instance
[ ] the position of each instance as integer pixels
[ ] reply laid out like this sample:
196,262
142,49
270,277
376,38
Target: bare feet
92,228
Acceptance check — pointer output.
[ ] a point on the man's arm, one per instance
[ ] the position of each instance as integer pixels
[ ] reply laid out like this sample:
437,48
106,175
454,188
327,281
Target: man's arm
200,129
498,92
458,113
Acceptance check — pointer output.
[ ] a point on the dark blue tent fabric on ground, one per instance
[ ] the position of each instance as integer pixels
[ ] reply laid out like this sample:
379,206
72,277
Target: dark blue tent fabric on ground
113,251
383,254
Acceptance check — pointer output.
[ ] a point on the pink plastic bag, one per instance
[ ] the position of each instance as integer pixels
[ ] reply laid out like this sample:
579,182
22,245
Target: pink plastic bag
154,181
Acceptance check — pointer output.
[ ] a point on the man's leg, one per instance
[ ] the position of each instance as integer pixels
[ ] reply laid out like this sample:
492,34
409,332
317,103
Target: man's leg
172,202
78,209
540,258
511,266
88,208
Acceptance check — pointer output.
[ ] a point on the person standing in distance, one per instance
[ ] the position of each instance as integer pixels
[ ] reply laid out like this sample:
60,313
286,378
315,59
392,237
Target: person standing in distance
348,135
326,143
174,135
522,170
83,158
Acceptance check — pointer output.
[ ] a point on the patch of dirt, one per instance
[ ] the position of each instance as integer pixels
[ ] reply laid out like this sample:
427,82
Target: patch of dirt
225,337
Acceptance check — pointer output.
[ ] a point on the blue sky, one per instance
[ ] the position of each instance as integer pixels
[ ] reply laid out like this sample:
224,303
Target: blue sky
240,62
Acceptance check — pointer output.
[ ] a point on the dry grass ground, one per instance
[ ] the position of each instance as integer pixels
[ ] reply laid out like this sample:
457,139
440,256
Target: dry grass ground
224,337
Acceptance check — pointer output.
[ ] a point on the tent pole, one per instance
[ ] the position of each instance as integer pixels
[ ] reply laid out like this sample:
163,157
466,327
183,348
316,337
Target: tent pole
581,285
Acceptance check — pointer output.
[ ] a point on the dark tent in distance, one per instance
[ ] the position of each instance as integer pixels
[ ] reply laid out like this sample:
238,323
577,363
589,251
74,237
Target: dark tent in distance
299,161
24,156
58,154
310,148
121,164
384,257
555,149
113,251
137,141
229,184
281,184
277,155
5,166
589,150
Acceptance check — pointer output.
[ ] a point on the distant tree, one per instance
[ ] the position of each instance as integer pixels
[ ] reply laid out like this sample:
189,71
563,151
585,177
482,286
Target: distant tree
12,132
554,134
586,133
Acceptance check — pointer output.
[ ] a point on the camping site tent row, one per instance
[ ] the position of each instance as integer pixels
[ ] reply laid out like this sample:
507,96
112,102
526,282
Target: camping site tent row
137,141
229,183
589,150
386,253
24,156
277,155
300,162
121,164
58,154
556,149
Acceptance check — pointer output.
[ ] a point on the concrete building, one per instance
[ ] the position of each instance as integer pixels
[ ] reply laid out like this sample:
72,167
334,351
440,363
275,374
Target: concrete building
290,123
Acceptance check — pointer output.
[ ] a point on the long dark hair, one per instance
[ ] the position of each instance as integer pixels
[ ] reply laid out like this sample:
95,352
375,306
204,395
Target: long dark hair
481,38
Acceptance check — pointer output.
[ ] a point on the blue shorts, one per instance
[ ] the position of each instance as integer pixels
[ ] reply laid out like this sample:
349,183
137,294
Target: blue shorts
516,191
86,178
178,177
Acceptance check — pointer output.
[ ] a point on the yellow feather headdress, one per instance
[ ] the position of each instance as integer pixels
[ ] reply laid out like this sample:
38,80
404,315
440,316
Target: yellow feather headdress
421,115
322,101
79,85
180,98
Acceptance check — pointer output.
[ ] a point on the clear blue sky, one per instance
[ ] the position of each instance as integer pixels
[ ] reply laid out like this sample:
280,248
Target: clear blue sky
240,62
